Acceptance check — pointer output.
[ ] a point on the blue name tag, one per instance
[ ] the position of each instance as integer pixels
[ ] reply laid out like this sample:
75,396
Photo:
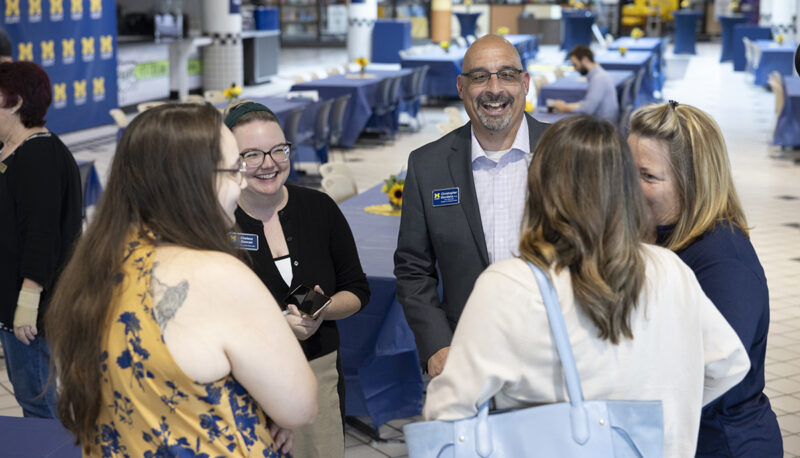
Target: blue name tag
243,241
445,197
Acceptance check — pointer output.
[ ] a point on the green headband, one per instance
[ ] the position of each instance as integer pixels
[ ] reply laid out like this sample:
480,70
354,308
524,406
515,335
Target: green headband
243,109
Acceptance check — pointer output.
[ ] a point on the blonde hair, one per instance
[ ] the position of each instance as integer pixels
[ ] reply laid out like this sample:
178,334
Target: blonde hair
699,160
585,212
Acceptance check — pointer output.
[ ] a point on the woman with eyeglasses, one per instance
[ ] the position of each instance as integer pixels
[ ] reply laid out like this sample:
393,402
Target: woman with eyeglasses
165,343
302,240
694,211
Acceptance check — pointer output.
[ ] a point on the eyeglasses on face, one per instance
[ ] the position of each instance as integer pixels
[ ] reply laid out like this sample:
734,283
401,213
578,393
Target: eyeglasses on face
253,158
242,168
237,172
506,75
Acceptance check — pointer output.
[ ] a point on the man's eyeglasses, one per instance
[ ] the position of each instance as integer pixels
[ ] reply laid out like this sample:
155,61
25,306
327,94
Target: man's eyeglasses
507,75
253,158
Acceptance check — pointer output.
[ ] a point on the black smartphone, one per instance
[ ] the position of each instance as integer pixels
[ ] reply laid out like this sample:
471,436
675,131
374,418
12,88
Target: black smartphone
307,300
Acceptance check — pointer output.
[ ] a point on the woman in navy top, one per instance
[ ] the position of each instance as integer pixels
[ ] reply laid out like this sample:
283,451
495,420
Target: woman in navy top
686,179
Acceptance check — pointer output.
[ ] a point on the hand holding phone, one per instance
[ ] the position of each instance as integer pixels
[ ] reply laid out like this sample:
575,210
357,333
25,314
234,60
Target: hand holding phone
307,301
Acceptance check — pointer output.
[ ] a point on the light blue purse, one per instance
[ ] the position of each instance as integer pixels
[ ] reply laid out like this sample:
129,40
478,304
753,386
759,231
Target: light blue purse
575,429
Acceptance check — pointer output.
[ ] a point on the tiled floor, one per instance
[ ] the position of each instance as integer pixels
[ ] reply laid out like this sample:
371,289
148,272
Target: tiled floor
769,188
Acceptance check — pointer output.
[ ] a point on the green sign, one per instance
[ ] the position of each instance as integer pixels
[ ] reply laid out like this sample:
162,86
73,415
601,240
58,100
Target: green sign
195,66
154,69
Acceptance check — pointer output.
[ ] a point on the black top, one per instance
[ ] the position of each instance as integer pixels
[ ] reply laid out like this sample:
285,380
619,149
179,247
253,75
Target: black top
40,204
740,422
322,251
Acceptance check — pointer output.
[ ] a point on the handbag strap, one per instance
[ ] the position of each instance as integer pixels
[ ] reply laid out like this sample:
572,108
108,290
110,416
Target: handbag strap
578,415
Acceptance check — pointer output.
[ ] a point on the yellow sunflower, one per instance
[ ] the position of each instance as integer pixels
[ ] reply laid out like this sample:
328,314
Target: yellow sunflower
396,195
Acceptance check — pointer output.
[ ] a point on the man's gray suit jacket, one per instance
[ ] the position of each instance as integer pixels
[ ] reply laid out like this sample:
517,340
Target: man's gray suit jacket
448,237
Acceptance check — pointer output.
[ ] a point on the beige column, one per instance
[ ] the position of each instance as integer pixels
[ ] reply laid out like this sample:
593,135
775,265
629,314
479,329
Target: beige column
440,20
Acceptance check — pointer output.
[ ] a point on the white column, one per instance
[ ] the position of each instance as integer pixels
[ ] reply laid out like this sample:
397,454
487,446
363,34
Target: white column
222,59
783,17
360,22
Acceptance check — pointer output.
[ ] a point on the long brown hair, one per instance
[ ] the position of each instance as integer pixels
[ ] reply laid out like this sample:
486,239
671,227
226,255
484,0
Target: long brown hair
163,179
584,212
699,160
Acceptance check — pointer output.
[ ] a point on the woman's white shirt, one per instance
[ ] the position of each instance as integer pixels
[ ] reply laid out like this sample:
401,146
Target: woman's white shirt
683,352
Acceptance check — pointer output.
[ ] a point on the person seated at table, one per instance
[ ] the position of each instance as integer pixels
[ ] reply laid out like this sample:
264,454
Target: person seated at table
601,95
40,218
165,343
638,322
695,211
302,239
464,196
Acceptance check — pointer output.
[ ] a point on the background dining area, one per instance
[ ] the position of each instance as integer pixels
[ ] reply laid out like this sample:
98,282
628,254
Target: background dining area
353,119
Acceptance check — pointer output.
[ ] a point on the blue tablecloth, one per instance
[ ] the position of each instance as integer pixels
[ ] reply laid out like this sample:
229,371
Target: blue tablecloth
787,128
572,88
649,45
752,32
685,31
363,97
36,437
379,356
527,46
444,70
541,114
467,22
774,57
633,61
576,28
389,37
90,182
727,23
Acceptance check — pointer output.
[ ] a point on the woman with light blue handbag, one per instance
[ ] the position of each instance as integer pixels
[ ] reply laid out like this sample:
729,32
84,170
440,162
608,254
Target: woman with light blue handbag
589,312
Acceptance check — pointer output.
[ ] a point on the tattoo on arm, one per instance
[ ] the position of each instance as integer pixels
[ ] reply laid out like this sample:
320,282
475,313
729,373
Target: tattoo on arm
168,299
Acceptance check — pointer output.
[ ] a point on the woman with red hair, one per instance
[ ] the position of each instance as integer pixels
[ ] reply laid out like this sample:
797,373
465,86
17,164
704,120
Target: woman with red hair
40,204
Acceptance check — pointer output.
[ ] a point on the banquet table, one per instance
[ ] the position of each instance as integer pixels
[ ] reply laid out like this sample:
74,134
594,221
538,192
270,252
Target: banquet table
787,128
752,32
363,97
389,37
633,61
90,183
774,57
685,31
467,22
727,23
527,45
444,68
541,114
36,437
383,378
576,28
573,88
646,44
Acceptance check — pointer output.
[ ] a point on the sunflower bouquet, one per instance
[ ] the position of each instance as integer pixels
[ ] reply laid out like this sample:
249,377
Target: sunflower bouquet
394,188
622,51
502,31
362,62
637,33
445,45
232,93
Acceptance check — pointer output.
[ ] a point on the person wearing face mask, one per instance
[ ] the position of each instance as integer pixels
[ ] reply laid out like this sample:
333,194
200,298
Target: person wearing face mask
464,197
694,211
601,95
298,236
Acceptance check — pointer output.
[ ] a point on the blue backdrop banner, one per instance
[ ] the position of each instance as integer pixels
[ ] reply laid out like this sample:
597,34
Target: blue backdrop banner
76,43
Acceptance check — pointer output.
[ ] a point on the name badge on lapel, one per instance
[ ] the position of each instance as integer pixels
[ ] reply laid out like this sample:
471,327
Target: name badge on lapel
445,197
244,241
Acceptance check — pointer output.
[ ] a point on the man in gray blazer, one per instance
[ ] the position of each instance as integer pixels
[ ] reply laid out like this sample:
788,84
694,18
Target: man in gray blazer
464,197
